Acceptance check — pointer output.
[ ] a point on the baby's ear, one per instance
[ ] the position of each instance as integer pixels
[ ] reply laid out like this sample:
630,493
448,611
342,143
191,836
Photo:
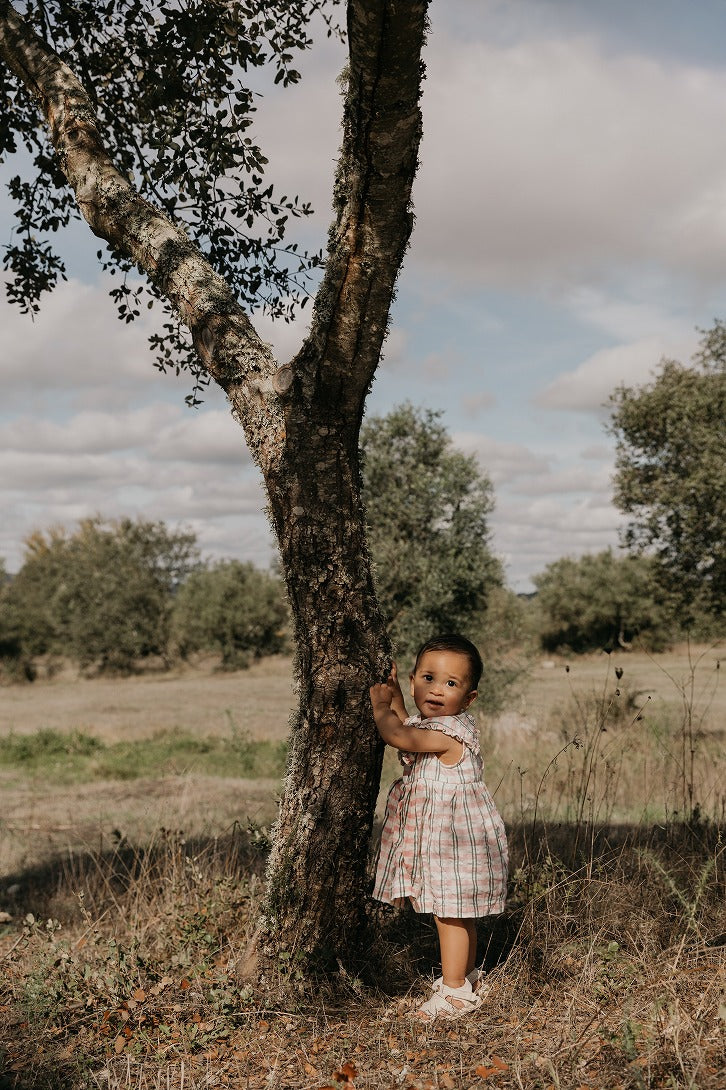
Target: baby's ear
471,697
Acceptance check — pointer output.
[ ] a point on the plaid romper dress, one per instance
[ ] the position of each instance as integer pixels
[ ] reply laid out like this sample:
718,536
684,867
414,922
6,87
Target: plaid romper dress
443,843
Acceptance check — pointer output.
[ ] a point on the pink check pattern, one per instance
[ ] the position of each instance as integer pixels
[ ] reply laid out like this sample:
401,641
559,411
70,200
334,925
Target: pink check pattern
443,844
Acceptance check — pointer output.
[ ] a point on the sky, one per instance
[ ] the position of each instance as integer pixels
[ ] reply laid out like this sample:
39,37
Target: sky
570,233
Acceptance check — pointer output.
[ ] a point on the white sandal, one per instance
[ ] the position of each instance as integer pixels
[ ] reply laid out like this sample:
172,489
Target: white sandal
440,1005
475,978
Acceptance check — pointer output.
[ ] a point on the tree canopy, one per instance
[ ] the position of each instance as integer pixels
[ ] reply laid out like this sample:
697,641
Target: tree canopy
670,475
102,595
232,608
428,508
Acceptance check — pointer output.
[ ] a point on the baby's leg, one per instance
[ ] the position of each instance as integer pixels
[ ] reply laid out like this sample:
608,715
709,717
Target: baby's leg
457,939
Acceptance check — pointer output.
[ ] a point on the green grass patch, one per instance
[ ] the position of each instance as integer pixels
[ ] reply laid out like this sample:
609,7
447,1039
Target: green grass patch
77,757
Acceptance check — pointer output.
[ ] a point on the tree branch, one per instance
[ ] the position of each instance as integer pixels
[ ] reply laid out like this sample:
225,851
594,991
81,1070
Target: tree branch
116,212
367,241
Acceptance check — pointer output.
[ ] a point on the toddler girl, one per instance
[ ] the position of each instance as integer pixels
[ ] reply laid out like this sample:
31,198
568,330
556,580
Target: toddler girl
443,843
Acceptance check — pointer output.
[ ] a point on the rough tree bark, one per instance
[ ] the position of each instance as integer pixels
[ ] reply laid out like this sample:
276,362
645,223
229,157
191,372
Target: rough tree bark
301,421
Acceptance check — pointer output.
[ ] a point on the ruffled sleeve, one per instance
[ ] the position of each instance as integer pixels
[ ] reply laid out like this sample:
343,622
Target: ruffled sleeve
462,727
404,757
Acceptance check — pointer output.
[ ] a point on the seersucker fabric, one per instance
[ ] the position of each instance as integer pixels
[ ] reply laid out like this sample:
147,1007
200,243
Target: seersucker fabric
443,844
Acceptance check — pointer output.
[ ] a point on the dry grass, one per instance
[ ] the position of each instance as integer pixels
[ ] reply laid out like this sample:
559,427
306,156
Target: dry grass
38,823
199,698
608,969
195,697
608,975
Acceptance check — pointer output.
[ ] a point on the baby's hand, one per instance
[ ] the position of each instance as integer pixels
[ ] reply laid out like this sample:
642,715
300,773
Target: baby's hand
381,695
397,703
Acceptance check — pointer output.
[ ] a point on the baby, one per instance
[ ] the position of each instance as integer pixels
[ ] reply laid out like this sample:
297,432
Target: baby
443,844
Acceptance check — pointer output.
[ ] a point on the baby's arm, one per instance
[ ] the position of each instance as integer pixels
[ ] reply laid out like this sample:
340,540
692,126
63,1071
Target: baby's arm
394,732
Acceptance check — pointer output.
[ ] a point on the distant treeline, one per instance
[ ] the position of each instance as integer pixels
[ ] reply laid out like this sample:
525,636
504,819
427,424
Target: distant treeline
112,594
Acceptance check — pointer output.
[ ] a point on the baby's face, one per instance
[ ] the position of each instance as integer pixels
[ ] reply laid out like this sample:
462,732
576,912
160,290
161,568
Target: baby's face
441,684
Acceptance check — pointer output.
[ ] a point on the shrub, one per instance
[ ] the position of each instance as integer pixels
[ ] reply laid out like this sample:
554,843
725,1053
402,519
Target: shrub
233,608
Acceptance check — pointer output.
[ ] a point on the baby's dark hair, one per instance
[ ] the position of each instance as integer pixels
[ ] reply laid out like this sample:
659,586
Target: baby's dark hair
451,641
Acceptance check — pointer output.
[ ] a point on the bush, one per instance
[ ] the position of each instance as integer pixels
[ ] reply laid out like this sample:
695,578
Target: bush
602,601
232,608
102,595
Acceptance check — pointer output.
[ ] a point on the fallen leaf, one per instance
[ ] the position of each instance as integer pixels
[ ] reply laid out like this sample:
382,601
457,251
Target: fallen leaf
119,1044
497,1066
185,984
139,995
347,1071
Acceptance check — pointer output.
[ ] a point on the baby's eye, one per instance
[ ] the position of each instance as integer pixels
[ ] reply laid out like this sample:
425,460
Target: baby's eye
452,683
428,677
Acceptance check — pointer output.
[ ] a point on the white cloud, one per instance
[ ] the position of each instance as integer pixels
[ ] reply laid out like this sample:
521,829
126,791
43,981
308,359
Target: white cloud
625,318
548,502
394,347
502,462
530,535
301,134
590,385
285,338
222,503
578,478
547,159
209,436
87,432
27,471
68,345
473,404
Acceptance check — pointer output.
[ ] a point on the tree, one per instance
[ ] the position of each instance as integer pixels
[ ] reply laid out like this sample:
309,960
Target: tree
125,76
670,474
102,595
428,509
232,608
10,644
601,601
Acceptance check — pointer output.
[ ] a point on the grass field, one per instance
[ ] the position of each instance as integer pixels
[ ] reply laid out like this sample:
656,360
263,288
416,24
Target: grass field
132,845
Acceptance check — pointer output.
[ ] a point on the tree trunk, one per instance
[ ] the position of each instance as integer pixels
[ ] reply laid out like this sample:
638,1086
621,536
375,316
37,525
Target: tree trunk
301,422
316,875
317,872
